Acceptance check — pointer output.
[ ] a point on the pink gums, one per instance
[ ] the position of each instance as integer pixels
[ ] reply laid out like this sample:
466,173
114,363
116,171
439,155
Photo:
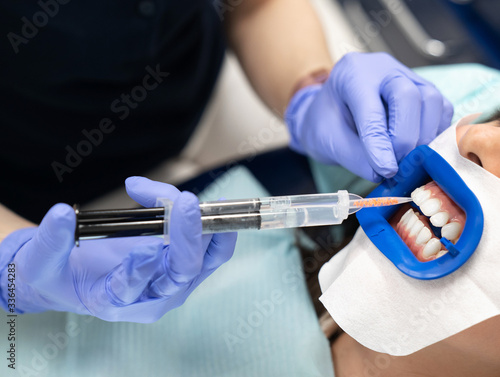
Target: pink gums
447,205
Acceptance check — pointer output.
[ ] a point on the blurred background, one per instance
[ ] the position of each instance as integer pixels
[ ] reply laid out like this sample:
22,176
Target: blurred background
426,32
236,126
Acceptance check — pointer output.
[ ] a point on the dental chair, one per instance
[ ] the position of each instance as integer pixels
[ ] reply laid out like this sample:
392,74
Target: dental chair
428,32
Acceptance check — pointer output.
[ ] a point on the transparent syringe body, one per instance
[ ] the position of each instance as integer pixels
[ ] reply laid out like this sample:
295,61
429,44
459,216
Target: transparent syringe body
271,212
304,210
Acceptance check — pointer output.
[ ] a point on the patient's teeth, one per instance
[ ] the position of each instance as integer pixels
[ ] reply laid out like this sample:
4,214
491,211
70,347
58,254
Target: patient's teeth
431,248
404,219
412,219
451,230
420,195
414,194
430,207
440,219
416,228
441,253
424,236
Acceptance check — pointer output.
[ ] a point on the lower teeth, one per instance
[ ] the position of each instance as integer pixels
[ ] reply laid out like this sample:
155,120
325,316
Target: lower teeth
431,248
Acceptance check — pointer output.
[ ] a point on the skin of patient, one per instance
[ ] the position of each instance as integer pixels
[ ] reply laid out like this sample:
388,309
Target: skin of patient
472,352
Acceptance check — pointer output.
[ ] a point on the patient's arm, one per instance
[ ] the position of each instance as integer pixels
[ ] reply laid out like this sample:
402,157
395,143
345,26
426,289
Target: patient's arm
9,222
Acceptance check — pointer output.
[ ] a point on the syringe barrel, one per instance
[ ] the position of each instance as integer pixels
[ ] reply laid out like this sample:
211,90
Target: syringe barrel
304,210
221,207
219,216
267,213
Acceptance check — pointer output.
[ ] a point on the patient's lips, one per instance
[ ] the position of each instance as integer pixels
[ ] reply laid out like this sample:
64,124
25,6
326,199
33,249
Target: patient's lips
414,229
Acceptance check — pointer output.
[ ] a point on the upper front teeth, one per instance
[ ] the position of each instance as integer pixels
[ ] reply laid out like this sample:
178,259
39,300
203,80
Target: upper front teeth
440,219
430,207
420,195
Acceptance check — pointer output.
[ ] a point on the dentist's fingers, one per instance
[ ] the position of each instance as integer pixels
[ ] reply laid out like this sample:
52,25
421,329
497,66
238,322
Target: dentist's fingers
185,255
145,191
128,281
404,102
371,122
432,111
47,254
352,155
220,250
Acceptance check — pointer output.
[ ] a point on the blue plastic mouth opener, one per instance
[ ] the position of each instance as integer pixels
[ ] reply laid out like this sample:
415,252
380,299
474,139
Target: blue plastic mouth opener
230,215
416,169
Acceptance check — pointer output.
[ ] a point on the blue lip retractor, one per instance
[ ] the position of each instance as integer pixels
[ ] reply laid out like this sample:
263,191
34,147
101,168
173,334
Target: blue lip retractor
421,165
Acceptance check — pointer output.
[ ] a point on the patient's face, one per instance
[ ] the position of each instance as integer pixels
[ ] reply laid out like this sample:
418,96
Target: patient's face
475,350
480,143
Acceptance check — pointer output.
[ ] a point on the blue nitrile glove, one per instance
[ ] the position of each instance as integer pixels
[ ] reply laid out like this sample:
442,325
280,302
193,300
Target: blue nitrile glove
135,279
369,114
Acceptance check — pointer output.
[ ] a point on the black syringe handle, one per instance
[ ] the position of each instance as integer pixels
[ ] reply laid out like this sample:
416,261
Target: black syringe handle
121,213
206,208
216,218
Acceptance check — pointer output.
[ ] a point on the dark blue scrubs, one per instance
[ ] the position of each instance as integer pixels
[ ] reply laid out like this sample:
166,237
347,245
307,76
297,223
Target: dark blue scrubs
93,91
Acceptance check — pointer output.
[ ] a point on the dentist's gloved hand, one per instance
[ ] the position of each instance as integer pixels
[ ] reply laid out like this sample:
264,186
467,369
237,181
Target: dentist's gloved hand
368,115
135,279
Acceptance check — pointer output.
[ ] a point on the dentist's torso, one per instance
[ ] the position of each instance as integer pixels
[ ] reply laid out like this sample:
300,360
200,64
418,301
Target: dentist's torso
148,65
